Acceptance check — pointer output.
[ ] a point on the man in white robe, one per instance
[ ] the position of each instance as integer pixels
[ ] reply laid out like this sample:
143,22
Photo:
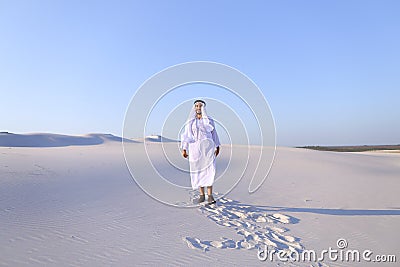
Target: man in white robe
200,143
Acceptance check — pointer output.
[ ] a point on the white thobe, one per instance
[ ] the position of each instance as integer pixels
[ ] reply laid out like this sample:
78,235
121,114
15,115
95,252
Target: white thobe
201,152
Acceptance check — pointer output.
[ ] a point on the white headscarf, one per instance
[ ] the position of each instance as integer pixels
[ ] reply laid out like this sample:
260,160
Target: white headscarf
187,135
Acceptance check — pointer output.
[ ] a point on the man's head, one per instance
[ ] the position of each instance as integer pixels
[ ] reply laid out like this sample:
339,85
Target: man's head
198,104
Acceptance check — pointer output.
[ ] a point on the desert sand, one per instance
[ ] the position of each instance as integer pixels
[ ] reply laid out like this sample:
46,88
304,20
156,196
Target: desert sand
71,201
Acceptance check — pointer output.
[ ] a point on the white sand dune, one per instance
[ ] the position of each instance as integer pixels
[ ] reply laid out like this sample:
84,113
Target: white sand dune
78,206
54,140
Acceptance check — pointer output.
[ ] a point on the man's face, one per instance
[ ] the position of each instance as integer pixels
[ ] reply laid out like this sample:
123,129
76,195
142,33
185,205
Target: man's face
197,107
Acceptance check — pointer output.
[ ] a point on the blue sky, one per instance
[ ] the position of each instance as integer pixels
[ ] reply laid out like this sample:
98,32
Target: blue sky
328,69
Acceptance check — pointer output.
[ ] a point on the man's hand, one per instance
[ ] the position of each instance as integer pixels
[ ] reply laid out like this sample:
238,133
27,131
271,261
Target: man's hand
184,153
216,151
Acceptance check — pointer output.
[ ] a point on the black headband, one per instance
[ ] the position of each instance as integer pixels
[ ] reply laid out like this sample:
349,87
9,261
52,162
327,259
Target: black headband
199,100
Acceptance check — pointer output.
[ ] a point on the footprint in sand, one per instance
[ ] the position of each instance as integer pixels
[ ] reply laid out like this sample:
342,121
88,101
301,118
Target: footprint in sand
195,243
253,225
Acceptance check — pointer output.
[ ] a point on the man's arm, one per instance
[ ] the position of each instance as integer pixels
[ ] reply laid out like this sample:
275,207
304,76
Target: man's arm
215,138
216,151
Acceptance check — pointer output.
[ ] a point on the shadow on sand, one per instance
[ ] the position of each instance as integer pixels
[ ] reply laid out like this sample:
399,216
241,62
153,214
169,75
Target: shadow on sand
340,212
262,225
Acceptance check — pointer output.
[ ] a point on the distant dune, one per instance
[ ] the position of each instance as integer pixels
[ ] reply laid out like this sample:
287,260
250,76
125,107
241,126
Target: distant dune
156,138
56,140
354,148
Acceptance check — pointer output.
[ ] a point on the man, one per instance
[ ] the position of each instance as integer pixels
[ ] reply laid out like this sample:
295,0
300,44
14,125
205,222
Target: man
200,143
